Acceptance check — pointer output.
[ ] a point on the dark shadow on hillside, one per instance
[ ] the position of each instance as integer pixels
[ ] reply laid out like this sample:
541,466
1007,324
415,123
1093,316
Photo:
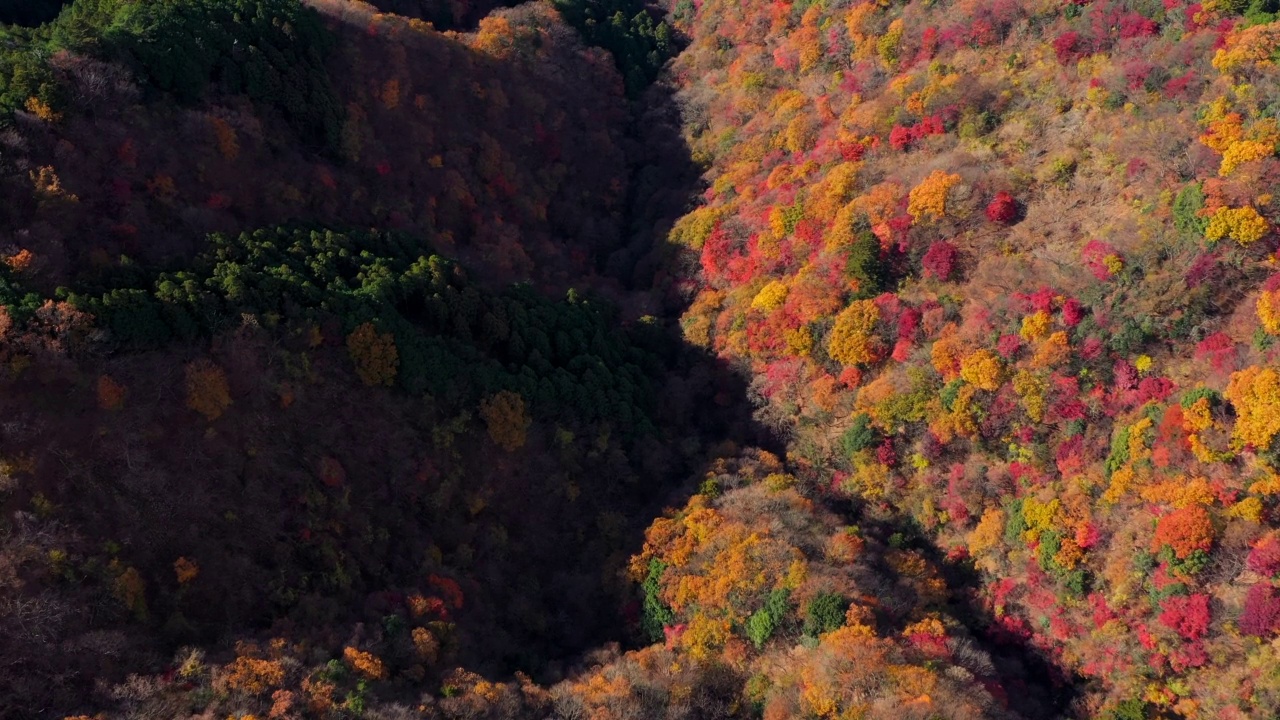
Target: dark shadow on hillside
464,145
665,183
310,504
29,13
316,505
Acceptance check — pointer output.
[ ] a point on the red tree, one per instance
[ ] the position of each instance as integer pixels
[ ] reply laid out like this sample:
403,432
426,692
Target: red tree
939,261
1186,614
1261,614
1264,559
1066,47
1003,209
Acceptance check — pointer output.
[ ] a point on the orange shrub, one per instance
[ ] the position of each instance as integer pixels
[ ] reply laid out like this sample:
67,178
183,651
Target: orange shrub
110,393
1053,351
186,570
365,664
252,676
228,144
1184,530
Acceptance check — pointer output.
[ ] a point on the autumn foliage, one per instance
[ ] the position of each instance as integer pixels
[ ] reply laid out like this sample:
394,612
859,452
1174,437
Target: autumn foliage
939,260
374,354
1002,209
852,340
111,394
1184,531
508,423
207,390
997,278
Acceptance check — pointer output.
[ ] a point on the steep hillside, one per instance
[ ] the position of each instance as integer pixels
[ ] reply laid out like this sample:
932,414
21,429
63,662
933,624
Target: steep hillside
348,357
395,126
1006,268
232,409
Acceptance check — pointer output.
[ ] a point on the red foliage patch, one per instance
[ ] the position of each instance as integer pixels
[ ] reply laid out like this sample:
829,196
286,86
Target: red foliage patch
852,151
886,454
939,260
1135,25
1067,47
903,137
1264,558
1008,345
1200,270
1095,254
1261,614
1176,87
448,589
908,323
1072,312
1136,72
1003,209
1219,349
1188,615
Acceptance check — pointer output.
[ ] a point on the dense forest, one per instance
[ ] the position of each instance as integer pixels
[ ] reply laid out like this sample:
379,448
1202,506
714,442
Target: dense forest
595,359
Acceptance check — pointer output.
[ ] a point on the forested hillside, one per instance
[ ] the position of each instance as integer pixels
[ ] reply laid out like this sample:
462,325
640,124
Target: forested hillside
589,359
320,324
1006,270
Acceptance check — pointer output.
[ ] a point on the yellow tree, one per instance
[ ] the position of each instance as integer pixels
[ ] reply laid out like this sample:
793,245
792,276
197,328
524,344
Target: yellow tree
1239,153
1244,225
374,354
983,369
130,589
771,296
988,532
1255,394
507,421
851,341
929,198
207,389
390,94
1268,308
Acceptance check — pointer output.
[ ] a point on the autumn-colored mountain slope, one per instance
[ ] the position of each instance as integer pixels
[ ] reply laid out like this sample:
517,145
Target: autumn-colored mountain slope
336,449
1007,268
1002,275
